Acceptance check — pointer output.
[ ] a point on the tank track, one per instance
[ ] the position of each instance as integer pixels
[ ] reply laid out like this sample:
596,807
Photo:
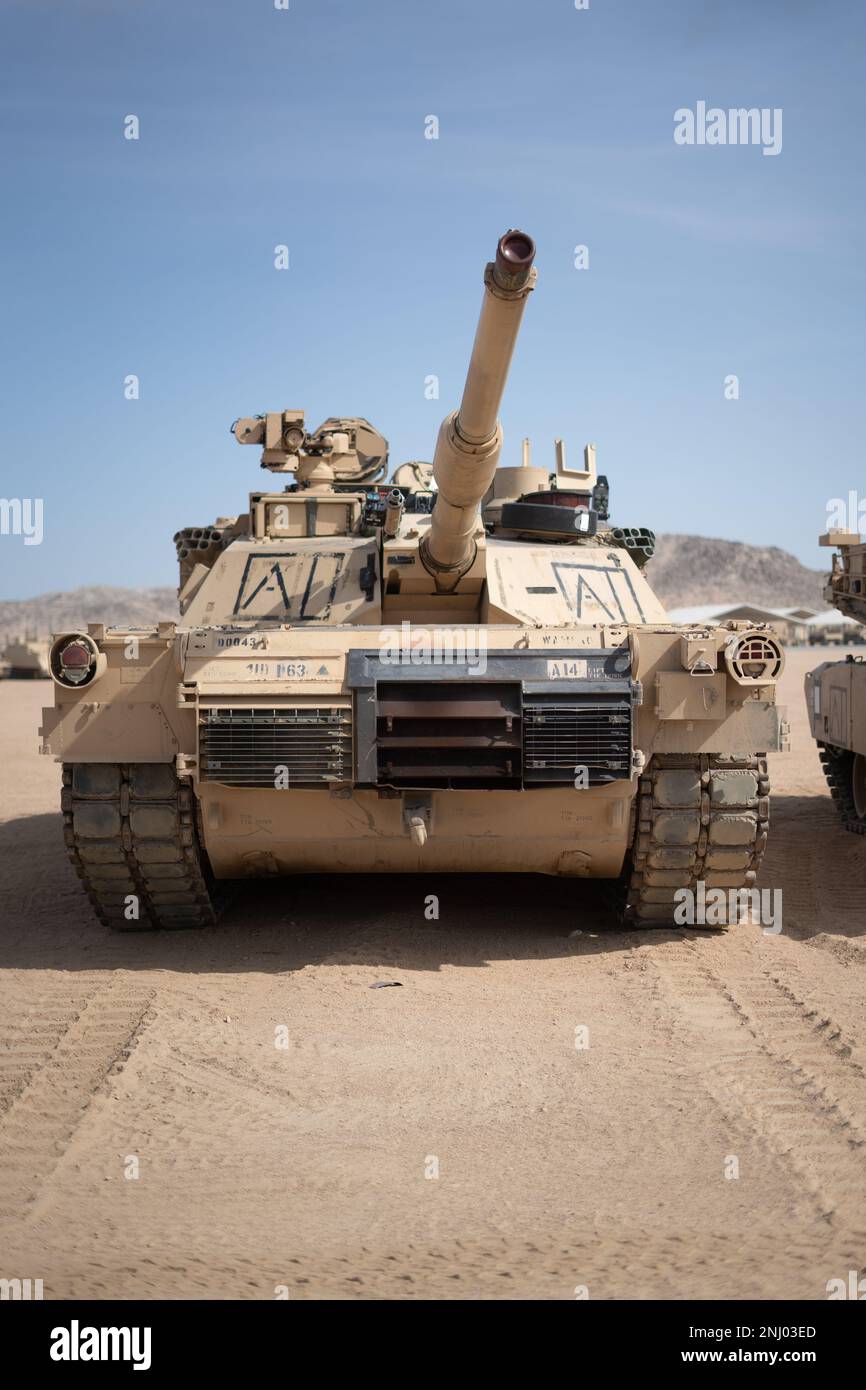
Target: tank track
837,765
130,831
697,818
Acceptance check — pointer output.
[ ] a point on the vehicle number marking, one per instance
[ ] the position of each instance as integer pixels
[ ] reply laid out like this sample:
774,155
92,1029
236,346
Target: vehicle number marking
566,670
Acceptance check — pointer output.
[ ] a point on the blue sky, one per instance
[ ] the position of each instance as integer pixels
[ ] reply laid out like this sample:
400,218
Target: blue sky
306,127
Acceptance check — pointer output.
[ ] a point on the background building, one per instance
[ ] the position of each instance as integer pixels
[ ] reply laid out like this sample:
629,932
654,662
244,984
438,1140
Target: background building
796,626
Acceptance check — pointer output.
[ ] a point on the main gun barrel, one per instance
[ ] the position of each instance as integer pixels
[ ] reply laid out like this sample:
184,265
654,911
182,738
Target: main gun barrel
470,439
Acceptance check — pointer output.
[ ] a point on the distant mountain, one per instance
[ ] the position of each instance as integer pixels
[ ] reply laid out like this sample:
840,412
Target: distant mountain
76,608
685,570
689,570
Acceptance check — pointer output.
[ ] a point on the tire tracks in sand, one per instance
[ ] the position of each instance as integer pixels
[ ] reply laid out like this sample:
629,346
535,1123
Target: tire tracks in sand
58,1055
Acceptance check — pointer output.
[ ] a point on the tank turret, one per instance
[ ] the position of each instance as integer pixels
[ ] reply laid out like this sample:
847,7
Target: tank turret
470,439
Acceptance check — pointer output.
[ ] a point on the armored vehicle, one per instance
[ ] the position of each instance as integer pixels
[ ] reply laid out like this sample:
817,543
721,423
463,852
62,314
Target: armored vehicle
836,690
27,658
461,669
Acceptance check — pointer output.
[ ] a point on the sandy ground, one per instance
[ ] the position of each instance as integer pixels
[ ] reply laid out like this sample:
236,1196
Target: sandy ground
307,1166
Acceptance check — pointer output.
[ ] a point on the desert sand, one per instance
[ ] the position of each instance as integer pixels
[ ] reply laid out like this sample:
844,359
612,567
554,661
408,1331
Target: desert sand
311,1169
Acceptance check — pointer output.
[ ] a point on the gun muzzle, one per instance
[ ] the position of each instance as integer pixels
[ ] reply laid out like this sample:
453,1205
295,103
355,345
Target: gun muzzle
470,439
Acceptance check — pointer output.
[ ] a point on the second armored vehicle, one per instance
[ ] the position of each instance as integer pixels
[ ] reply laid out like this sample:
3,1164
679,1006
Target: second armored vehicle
27,658
472,675
836,690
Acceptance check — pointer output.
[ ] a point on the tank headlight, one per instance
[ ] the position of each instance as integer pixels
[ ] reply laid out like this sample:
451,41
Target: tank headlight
753,658
75,660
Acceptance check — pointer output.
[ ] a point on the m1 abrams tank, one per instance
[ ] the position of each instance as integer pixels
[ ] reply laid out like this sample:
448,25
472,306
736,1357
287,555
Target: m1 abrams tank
464,669
836,690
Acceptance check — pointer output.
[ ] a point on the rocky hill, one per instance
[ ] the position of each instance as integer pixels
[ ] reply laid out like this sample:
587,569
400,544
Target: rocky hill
75,608
689,570
685,570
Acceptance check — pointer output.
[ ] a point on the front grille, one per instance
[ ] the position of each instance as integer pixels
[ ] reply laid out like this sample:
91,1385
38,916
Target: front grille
301,747
528,718
563,734
448,734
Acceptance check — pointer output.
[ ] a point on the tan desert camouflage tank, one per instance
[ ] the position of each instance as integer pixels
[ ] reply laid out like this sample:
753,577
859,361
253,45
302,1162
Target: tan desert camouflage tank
836,690
26,658
464,669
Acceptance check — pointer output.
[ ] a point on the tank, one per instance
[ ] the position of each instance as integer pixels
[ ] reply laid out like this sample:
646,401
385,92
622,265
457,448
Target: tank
836,690
26,658
460,668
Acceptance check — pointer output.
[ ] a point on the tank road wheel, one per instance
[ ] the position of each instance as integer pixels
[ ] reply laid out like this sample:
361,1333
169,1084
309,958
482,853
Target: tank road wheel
131,835
697,818
846,778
